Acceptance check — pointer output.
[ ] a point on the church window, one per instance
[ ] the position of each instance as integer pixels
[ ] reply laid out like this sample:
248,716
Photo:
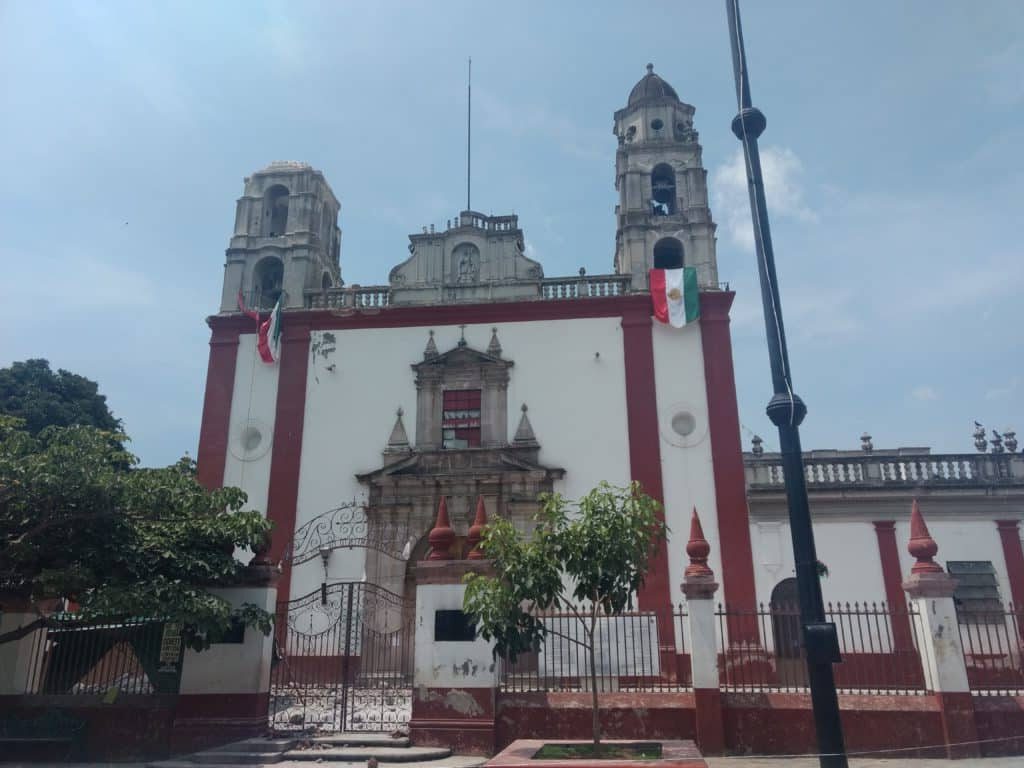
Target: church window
977,592
668,254
268,279
663,190
275,211
460,420
657,124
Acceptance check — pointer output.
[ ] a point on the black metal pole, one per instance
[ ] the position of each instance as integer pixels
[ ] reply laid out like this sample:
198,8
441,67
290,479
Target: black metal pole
787,410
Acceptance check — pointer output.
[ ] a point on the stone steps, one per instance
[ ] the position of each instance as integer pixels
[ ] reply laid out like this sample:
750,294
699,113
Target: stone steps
360,754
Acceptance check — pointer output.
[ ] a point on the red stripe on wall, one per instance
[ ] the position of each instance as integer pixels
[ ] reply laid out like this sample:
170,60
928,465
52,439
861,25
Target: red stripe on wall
645,447
1009,535
737,567
220,386
892,577
286,454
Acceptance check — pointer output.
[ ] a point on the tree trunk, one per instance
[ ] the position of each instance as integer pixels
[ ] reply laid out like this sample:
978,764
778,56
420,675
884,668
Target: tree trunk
596,713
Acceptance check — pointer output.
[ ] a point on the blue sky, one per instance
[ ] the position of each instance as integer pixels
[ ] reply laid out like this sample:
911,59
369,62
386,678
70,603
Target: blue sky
894,178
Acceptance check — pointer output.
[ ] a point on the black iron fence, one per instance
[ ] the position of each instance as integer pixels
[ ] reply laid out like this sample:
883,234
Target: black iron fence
993,646
634,651
761,650
135,656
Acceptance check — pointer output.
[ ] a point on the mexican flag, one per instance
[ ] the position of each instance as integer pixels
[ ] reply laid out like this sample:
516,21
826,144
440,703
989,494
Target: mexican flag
268,343
675,296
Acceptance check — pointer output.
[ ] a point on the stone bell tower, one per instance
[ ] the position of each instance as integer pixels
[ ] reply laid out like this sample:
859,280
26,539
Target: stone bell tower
663,215
286,239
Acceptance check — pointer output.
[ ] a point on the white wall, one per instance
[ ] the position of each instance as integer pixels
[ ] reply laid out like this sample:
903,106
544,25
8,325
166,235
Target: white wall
570,373
686,468
253,402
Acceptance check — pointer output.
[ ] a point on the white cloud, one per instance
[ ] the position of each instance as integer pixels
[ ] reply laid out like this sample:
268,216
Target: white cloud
924,393
783,189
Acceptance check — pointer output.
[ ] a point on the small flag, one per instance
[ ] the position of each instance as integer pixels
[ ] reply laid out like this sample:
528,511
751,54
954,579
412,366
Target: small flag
268,343
675,295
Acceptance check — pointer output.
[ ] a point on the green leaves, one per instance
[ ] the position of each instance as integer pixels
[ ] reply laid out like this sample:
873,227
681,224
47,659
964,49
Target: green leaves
78,521
595,552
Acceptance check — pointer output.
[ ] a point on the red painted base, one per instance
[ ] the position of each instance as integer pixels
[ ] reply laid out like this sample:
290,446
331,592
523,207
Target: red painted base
519,754
209,720
459,718
710,734
958,724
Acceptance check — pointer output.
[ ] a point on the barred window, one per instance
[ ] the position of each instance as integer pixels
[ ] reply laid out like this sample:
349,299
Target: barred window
977,591
460,420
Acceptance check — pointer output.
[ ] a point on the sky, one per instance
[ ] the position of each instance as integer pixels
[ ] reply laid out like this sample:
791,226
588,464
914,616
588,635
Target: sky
892,161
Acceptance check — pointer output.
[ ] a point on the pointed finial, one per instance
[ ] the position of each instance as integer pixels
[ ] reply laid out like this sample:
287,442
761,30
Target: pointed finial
650,69
476,531
441,535
399,440
494,348
462,338
430,351
697,549
922,546
524,436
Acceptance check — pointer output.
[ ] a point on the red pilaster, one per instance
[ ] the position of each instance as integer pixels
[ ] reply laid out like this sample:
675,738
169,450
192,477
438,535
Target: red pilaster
892,577
1009,535
286,454
727,452
645,448
215,427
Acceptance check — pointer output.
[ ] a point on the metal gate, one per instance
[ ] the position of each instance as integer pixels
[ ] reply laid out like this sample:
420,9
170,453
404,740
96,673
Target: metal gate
343,660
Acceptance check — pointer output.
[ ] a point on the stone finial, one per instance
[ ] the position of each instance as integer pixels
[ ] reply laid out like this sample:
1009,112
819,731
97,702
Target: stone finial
524,436
865,443
476,531
697,549
399,440
430,352
441,535
757,445
494,348
997,442
462,337
650,69
1010,438
922,546
980,443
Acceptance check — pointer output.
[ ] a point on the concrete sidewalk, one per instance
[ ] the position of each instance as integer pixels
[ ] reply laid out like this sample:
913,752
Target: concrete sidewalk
862,762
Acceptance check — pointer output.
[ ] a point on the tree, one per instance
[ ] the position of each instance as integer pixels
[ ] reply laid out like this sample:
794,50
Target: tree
30,391
589,564
79,521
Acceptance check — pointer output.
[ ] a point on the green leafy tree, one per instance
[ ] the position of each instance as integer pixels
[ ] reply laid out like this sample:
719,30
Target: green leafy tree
79,521
30,391
587,559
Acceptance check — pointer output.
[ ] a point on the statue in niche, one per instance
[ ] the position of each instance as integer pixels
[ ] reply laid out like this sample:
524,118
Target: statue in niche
469,269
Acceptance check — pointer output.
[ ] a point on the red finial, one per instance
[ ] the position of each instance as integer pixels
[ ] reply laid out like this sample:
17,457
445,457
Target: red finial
441,536
698,549
922,546
476,531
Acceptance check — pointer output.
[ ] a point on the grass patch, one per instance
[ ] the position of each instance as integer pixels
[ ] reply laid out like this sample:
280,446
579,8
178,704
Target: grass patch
641,750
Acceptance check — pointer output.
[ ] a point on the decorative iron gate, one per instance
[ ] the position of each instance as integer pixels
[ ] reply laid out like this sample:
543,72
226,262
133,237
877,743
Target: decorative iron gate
343,660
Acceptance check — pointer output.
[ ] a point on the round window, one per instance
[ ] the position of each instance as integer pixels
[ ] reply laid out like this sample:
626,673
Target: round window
251,439
681,127
656,124
683,423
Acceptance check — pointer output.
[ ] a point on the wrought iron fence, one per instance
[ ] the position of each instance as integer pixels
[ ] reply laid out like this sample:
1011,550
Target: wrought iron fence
993,647
762,650
633,651
136,656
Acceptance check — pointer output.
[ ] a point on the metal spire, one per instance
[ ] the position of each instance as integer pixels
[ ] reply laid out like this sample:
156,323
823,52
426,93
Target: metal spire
469,128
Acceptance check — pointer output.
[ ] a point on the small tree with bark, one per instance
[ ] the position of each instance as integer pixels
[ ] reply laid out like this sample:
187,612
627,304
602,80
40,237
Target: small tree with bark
587,559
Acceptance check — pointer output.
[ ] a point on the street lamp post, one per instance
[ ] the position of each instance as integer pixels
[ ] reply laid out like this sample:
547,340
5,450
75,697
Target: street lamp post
787,410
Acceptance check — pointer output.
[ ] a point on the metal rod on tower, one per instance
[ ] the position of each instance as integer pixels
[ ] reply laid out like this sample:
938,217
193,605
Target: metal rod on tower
469,128
786,411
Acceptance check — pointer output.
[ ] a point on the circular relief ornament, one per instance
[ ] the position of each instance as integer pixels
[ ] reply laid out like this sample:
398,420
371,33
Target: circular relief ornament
250,440
682,425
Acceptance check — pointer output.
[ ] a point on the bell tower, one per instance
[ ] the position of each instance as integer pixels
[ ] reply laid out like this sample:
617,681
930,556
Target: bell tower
286,239
663,219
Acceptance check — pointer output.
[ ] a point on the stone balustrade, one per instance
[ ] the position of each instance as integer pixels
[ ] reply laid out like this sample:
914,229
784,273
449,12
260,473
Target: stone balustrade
849,470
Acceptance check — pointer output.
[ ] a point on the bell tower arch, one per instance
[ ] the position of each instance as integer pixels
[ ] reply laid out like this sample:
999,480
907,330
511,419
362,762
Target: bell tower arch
662,216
